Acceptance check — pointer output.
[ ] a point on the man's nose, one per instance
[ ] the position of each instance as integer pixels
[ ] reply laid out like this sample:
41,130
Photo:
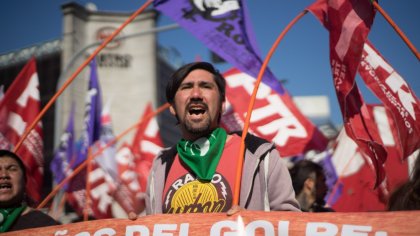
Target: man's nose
4,173
196,92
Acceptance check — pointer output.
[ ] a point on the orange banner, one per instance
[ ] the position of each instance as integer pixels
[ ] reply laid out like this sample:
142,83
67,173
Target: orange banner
246,223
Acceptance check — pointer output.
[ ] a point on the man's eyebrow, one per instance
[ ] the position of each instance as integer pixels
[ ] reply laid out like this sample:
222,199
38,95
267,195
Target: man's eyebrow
13,164
187,82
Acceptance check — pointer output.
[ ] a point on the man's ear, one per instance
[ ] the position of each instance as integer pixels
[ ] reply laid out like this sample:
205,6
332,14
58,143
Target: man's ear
172,110
223,107
309,184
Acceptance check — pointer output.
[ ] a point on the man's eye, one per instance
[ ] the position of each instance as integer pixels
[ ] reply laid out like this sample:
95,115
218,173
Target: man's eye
13,168
182,87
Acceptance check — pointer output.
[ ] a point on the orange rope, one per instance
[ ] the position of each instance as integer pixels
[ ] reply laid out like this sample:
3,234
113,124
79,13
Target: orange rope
77,72
251,105
397,29
83,164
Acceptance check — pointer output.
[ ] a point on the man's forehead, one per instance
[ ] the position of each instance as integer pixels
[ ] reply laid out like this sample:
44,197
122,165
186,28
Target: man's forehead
8,160
198,79
199,74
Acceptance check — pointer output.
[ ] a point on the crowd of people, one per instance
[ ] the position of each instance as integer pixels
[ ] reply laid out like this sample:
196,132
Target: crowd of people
195,175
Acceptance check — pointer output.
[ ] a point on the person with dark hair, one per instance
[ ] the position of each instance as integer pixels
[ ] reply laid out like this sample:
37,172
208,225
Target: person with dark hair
308,180
198,173
407,196
15,214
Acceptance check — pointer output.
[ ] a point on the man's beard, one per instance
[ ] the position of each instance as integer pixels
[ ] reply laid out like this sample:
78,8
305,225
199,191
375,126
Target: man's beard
197,129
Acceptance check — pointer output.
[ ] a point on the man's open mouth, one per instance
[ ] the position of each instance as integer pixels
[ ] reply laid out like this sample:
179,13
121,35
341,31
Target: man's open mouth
197,108
5,186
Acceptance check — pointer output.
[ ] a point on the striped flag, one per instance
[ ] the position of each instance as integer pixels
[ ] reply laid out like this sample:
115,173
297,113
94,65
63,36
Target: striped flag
356,171
135,161
396,95
348,23
147,143
275,117
18,109
104,177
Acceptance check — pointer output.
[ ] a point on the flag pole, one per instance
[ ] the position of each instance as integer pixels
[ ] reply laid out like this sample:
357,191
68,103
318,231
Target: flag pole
88,204
397,29
77,72
251,105
97,153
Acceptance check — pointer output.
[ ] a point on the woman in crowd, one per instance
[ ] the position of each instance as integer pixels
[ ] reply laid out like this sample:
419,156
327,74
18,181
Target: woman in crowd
15,214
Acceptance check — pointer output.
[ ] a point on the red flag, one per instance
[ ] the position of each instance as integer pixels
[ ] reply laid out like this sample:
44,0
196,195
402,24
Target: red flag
103,188
102,191
103,177
356,172
396,169
18,109
275,117
396,96
135,161
349,22
128,194
146,145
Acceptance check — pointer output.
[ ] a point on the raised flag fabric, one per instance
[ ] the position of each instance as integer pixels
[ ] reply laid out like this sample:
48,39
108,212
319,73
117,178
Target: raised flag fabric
135,161
18,109
103,187
104,175
90,134
275,117
129,192
106,160
147,143
224,27
396,95
348,23
61,163
92,121
356,173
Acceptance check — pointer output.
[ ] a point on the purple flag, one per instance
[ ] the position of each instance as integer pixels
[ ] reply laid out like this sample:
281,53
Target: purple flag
92,125
331,179
60,164
90,134
224,27
106,160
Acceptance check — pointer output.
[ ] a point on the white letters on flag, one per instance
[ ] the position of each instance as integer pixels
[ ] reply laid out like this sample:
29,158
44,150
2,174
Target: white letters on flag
275,117
397,97
18,109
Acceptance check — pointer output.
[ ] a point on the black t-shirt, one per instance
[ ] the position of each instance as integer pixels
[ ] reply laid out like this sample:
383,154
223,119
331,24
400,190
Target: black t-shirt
33,219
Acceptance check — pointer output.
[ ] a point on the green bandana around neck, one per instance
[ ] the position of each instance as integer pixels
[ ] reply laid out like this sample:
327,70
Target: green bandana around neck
8,216
203,155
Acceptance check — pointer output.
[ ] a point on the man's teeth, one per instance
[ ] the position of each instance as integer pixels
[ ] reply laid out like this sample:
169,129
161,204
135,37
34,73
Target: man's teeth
5,186
196,111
